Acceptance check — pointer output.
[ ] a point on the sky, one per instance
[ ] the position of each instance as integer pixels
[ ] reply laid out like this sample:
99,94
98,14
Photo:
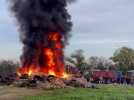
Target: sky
99,28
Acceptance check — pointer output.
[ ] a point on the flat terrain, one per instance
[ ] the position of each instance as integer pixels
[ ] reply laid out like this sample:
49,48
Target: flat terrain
104,92
107,92
14,93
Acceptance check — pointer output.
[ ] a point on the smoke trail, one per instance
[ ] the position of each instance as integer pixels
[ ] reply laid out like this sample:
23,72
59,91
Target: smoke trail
36,20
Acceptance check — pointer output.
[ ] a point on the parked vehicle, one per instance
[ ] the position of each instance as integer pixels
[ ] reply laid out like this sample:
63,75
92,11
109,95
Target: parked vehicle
103,76
130,77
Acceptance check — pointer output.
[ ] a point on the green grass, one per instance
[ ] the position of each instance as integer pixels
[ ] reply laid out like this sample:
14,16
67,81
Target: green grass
107,92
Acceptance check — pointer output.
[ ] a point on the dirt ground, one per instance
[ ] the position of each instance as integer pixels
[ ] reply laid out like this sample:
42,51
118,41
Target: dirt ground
14,93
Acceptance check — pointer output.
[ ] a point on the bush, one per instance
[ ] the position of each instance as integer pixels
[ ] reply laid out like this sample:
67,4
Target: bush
8,71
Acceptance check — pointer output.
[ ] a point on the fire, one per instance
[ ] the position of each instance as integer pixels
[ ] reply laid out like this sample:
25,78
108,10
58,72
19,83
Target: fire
66,76
51,73
50,55
52,61
30,73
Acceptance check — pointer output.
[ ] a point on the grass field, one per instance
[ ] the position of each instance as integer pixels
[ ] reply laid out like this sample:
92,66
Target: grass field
107,92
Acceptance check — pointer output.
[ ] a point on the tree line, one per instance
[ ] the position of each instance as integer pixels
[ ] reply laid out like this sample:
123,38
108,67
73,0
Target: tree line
122,60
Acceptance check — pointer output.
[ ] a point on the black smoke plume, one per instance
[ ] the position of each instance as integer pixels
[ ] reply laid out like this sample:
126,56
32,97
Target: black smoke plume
36,20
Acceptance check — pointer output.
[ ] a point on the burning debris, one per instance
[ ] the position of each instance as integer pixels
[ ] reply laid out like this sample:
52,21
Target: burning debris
44,26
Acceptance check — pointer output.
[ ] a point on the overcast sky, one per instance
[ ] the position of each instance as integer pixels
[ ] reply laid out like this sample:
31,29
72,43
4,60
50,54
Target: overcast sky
100,27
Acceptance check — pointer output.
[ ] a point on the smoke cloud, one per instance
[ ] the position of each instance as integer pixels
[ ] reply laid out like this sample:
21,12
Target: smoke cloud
36,20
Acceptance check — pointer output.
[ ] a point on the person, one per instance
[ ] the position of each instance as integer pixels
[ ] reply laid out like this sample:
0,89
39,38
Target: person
101,80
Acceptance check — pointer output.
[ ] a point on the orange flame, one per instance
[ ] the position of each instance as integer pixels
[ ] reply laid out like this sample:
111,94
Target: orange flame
54,62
